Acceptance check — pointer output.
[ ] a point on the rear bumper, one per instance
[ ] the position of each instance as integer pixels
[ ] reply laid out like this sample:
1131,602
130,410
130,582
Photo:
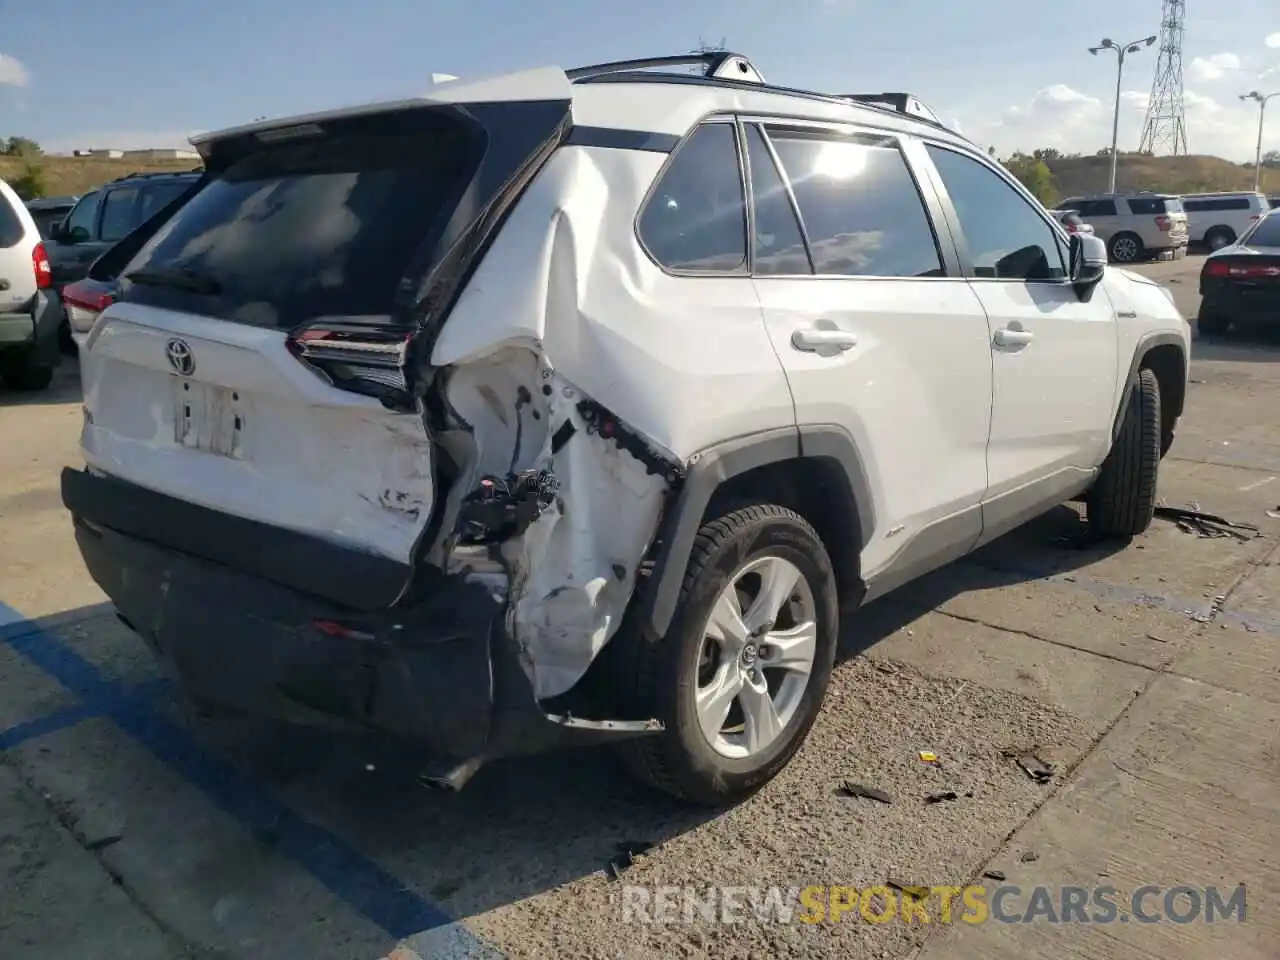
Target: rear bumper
1243,305
442,672
36,326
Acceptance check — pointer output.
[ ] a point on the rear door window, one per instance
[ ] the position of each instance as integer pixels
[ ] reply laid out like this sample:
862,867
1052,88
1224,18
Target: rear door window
1152,206
859,205
119,213
157,196
779,245
321,225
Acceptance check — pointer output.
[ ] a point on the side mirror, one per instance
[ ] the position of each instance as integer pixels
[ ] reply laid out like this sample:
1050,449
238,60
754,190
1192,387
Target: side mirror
1088,263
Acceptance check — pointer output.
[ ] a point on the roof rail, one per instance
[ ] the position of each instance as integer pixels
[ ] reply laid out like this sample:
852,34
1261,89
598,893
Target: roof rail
716,64
898,102
156,173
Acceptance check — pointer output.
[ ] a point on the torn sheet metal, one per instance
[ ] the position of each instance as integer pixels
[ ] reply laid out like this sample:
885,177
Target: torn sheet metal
562,496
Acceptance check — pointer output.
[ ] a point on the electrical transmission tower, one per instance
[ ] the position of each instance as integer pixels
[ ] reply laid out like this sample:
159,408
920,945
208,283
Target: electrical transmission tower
1165,130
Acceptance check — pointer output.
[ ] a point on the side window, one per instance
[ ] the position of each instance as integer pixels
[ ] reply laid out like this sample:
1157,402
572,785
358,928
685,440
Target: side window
859,204
82,222
157,196
778,243
11,229
1008,239
119,213
1145,206
696,218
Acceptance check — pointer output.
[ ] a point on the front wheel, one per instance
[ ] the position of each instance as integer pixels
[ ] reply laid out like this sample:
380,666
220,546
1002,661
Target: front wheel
741,674
1122,500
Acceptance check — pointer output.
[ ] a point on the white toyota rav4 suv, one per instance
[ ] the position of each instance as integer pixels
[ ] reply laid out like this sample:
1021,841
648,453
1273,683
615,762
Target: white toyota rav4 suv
576,407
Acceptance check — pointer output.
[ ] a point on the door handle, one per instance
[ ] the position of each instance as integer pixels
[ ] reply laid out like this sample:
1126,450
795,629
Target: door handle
1008,337
812,340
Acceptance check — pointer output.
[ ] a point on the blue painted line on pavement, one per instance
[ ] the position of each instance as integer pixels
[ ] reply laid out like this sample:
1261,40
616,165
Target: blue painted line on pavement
348,874
20,733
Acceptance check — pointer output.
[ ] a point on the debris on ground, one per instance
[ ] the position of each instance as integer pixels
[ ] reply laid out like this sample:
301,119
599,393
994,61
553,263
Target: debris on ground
942,797
928,757
1207,525
625,858
1157,639
994,875
851,789
1274,514
912,890
1029,857
1035,768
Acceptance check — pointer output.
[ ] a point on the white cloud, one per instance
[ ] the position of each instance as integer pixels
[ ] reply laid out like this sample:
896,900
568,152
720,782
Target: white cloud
1273,41
1069,120
121,140
12,72
1214,67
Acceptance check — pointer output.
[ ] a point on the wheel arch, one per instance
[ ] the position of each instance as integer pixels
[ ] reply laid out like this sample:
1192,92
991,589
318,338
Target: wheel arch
1165,355
815,470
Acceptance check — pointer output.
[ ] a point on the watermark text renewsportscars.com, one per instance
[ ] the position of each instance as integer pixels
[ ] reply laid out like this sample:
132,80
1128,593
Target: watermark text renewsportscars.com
974,904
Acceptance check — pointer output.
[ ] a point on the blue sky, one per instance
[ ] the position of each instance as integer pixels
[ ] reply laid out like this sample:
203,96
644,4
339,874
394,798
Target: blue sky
1012,73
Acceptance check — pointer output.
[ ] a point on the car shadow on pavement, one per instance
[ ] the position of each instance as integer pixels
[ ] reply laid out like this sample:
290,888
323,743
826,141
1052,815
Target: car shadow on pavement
1248,344
64,389
1055,543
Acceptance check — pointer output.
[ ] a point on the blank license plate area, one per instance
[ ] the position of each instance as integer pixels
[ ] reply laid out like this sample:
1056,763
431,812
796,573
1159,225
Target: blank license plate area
208,418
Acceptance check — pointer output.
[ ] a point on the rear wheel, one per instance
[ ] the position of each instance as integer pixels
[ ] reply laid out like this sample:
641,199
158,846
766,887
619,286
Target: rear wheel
740,676
1220,237
21,370
1126,248
1122,500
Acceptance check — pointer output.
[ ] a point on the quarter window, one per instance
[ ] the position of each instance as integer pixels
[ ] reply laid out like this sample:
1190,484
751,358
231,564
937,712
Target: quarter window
1007,238
696,218
859,204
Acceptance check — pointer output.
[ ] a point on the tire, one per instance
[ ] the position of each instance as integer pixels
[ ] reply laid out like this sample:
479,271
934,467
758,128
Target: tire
661,678
1125,248
1212,324
21,371
1122,500
1219,237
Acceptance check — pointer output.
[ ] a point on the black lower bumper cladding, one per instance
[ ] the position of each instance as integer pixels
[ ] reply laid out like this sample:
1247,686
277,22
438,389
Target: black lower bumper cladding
443,672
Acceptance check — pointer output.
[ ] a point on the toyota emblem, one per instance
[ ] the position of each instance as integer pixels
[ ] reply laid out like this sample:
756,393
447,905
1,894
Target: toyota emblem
180,357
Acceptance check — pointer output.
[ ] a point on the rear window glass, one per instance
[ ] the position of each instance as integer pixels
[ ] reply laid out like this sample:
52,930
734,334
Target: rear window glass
319,226
1266,233
11,230
1154,205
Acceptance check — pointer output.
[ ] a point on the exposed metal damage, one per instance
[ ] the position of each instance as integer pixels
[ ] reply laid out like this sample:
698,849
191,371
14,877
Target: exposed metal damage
554,510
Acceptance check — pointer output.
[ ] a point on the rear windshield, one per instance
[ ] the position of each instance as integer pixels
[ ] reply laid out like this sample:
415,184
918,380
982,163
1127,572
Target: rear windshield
1266,233
322,225
1154,205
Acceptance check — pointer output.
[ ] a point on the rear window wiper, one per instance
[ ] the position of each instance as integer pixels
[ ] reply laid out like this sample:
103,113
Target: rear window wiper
181,279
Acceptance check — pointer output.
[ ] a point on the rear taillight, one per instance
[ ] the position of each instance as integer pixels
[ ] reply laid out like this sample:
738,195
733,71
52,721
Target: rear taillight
1236,270
1072,228
40,263
83,301
357,358
1164,224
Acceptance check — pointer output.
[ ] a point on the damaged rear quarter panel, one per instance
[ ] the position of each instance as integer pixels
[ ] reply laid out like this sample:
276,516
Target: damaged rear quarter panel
566,307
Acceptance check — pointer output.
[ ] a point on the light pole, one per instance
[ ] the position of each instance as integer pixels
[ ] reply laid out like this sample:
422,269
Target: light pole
1262,99
1122,50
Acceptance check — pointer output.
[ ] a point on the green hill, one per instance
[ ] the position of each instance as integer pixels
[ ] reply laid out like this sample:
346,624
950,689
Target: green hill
62,176
1076,175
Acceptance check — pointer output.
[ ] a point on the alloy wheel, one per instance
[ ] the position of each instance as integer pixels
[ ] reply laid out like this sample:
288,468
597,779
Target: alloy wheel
756,658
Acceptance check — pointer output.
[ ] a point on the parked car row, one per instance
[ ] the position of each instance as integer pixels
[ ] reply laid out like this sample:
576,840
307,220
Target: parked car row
1240,283
1138,226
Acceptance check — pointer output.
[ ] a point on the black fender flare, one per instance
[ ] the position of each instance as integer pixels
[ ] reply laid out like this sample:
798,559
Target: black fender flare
1144,346
830,445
